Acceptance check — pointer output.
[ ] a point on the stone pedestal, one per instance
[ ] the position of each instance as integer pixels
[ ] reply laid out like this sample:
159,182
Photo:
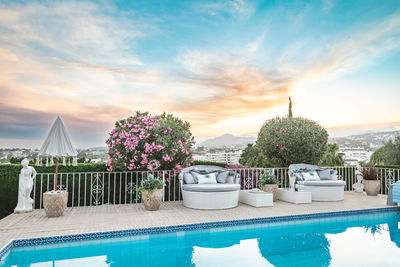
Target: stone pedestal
55,203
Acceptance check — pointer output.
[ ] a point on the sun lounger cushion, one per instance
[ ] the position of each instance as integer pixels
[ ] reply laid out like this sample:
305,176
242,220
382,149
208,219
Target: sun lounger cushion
396,192
211,187
322,183
221,178
208,178
324,174
188,178
310,176
199,172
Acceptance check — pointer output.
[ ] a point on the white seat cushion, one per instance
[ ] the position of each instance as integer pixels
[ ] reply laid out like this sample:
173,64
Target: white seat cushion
322,183
211,187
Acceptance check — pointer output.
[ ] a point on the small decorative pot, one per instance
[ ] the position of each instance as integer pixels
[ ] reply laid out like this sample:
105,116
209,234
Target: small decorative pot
55,203
153,201
272,188
372,187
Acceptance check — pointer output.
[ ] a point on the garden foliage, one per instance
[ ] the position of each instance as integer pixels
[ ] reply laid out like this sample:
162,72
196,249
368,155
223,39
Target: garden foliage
332,157
286,140
139,139
388,154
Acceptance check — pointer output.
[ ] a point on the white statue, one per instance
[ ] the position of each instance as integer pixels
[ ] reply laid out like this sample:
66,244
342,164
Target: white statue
26,179
358,186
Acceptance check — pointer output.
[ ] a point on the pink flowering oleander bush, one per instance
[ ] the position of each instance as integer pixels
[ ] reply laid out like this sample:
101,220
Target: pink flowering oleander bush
138,140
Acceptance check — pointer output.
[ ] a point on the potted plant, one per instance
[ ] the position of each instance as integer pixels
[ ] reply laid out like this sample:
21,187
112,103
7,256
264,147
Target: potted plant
152,192
372,185
268,183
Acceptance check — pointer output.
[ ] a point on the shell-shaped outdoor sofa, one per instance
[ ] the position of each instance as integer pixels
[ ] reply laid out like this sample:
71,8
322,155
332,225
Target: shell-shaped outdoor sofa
209,187
323,183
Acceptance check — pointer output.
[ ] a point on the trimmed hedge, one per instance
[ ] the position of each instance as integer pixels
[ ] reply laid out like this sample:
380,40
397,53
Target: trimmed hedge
212,163
9,174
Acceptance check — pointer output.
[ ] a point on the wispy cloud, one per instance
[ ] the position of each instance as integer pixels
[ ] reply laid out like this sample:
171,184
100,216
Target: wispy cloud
328,5
238,85
235,8
252,47
359,47
81,60
73,30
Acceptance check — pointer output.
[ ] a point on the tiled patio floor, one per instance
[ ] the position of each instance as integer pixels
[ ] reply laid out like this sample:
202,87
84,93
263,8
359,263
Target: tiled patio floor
131,216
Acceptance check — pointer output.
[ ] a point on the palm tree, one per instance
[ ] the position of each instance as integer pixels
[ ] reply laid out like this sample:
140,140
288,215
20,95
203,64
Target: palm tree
332,157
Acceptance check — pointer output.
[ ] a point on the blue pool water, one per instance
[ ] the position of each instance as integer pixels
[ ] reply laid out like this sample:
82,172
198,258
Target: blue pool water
356,240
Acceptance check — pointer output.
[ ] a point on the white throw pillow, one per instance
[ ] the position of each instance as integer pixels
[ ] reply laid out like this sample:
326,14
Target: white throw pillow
230,180
208,178
310,176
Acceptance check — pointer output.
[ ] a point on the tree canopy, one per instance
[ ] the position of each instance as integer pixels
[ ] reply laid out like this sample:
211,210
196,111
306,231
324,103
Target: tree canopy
284,141
388,154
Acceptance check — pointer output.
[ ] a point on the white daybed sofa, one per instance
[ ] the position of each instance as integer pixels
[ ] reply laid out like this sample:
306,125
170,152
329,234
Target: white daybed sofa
223,194
323,183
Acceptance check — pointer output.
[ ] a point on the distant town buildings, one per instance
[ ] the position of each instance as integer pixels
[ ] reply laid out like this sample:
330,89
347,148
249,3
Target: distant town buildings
94,155
355,155
222,156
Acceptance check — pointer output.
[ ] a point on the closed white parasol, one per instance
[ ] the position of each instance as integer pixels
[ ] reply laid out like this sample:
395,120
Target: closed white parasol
57,144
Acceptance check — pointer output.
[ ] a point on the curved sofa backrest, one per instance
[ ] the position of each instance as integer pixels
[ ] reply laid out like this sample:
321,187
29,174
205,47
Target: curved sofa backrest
296,169
206,169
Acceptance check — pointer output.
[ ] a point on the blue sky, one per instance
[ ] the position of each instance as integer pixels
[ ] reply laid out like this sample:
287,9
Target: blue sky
224,66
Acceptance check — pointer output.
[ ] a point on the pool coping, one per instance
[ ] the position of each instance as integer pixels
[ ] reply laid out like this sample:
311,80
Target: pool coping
174,228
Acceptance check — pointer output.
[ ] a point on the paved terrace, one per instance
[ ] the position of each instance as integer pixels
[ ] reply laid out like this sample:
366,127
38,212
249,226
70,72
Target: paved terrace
132,216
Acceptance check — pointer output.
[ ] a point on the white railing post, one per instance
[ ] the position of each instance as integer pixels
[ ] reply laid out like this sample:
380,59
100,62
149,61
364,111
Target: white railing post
163,192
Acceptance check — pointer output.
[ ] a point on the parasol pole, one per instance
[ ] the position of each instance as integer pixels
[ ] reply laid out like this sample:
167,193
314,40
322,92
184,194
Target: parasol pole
56,175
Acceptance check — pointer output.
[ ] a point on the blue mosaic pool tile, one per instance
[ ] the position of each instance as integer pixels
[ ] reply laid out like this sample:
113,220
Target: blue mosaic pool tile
5,250
185,227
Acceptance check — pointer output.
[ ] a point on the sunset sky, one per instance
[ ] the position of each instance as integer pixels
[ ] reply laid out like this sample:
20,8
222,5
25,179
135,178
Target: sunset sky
224,66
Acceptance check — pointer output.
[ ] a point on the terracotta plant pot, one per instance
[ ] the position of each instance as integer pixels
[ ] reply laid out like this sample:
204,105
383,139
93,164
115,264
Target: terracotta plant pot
153,201
54,204
272,188
372,187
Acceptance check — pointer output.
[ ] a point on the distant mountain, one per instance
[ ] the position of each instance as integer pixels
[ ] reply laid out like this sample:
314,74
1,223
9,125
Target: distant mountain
370,140
228,140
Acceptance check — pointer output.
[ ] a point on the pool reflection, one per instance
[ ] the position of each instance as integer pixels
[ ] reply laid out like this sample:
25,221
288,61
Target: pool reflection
336,241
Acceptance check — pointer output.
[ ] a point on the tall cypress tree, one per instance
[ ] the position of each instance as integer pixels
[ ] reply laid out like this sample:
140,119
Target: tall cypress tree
290,108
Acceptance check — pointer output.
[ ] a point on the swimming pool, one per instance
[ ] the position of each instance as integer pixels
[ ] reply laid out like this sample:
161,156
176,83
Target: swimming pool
371,239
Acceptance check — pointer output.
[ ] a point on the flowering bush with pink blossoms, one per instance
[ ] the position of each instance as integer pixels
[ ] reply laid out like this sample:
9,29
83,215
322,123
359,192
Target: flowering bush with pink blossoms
138,140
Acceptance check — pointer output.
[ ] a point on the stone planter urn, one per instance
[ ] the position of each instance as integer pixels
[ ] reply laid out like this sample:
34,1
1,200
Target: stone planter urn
153,201
272,188
55,203
372,187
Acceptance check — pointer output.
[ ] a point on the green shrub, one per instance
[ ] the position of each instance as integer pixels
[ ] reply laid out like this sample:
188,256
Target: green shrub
252,156
284,141
388,154
332,157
